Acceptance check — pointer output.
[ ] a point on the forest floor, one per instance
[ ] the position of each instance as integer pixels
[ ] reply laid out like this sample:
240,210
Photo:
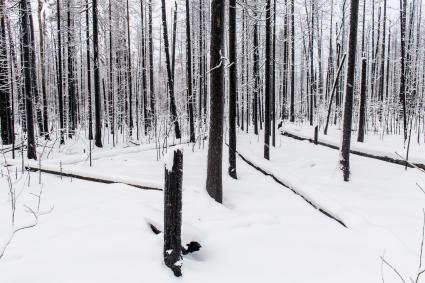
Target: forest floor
263,232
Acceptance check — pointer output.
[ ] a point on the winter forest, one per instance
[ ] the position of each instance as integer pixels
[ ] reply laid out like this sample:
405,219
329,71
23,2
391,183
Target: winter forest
212,141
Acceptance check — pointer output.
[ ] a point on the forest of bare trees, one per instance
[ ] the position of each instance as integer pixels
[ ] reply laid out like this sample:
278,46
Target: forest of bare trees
123,71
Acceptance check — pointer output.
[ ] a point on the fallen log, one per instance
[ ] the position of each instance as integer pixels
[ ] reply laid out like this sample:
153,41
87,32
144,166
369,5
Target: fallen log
357,152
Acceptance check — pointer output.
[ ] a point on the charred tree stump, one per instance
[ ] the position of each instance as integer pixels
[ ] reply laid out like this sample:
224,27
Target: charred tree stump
173,212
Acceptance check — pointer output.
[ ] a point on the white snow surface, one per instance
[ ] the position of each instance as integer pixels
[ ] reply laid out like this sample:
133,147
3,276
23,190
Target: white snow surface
263,232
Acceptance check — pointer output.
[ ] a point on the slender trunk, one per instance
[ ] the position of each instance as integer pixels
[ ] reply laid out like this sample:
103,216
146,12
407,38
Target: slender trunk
233,88
97,97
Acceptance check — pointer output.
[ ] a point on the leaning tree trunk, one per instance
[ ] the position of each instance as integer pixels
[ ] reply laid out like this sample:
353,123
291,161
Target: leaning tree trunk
233,88
349,91
215,147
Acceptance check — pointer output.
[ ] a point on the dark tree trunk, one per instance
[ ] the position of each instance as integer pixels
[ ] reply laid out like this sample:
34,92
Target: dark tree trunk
173,212
267,83
233,88
189,73
97,97
26,63
215,147
89,73
255,73
144,80
362,111
273,103
170,83
129,75
403,8
349,91
151,76
60,75
41,27
292,108
72,103
5,106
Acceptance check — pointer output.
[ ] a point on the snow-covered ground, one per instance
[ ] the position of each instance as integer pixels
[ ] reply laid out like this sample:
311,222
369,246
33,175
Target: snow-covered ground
262,233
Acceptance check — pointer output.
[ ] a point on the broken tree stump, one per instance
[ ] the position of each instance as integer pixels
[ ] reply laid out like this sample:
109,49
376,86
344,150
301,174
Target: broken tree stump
173,211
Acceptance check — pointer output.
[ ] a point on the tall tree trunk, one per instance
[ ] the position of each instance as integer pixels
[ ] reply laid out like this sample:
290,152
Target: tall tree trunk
129,75
362,111
233,88
170,83
5,106
144,80
403,8
215,148
151,75
189,73
349,91
292,111
60,75
26,63
72,103
267,83
255,72
41,27
97,97
89,73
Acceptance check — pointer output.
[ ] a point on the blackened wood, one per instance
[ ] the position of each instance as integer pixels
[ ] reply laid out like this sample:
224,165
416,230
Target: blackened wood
59,68
267,83
173,110
233,88
97,97
190,100
349,91
5,106
215,148
26,63
173,213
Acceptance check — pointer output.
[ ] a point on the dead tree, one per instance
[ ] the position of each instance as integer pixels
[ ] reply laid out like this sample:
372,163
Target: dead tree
41,27
170,82
97,97
190,101
215,147
362,111
26,64
267,83
5,106
173,211
233,88
60,74
349,91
